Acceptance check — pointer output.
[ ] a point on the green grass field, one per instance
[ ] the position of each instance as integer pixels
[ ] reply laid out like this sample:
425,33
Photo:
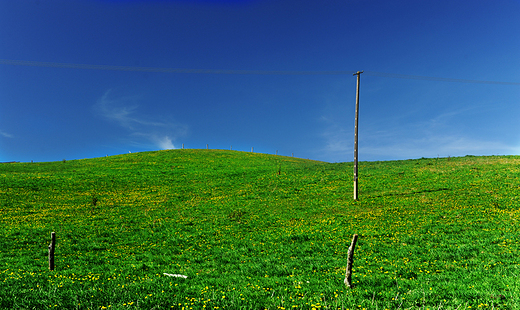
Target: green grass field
256,231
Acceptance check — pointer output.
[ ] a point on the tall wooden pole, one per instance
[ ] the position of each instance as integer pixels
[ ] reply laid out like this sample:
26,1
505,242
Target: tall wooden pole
356,139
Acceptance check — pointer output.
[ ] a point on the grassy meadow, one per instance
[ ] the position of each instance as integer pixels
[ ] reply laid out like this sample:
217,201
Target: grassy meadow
257,231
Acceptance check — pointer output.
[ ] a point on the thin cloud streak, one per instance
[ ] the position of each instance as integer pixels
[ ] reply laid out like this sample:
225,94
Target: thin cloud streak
432,138
6,135
115,110
142,131
339,146
437,146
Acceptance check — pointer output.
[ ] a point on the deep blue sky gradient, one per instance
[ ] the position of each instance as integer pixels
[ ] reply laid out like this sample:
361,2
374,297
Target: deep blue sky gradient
52,113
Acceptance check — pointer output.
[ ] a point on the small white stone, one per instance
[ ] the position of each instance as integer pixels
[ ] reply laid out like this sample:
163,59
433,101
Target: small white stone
175,275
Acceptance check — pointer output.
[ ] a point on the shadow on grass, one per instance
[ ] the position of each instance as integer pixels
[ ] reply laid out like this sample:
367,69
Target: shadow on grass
412,192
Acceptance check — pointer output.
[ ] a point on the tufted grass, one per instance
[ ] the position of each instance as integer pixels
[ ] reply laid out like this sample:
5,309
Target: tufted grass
257,231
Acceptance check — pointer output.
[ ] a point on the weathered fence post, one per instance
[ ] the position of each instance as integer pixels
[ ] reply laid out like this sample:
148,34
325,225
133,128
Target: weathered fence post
350,261
51,251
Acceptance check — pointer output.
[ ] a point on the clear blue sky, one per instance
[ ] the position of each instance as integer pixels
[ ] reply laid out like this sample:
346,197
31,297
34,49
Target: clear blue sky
50,111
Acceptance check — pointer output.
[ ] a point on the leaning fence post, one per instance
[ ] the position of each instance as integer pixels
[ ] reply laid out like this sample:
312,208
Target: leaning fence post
51,251
350,261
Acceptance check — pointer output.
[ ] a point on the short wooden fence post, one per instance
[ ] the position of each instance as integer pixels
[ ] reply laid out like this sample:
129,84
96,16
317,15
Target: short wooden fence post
350,261
51,251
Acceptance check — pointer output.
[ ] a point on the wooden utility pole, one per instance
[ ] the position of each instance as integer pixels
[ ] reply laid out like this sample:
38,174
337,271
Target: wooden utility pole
356,139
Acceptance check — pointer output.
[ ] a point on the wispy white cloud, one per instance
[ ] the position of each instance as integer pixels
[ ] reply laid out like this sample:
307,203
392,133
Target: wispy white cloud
158,139
123,111
338,140
5,134
143,130
433,146
165,143
430,138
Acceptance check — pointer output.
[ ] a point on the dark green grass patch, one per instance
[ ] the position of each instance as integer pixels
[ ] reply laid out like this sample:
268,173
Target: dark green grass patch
255,231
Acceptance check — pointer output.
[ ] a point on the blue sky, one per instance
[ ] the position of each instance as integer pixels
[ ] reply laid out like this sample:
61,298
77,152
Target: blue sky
274,75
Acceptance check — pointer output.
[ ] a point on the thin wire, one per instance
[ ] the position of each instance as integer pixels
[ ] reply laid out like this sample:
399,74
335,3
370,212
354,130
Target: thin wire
430,78
247,72
163,70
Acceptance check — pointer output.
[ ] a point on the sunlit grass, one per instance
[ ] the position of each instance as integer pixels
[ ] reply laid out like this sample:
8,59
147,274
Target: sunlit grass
254,231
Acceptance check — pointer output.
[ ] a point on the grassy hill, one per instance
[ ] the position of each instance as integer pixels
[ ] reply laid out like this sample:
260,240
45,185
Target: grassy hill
255,231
